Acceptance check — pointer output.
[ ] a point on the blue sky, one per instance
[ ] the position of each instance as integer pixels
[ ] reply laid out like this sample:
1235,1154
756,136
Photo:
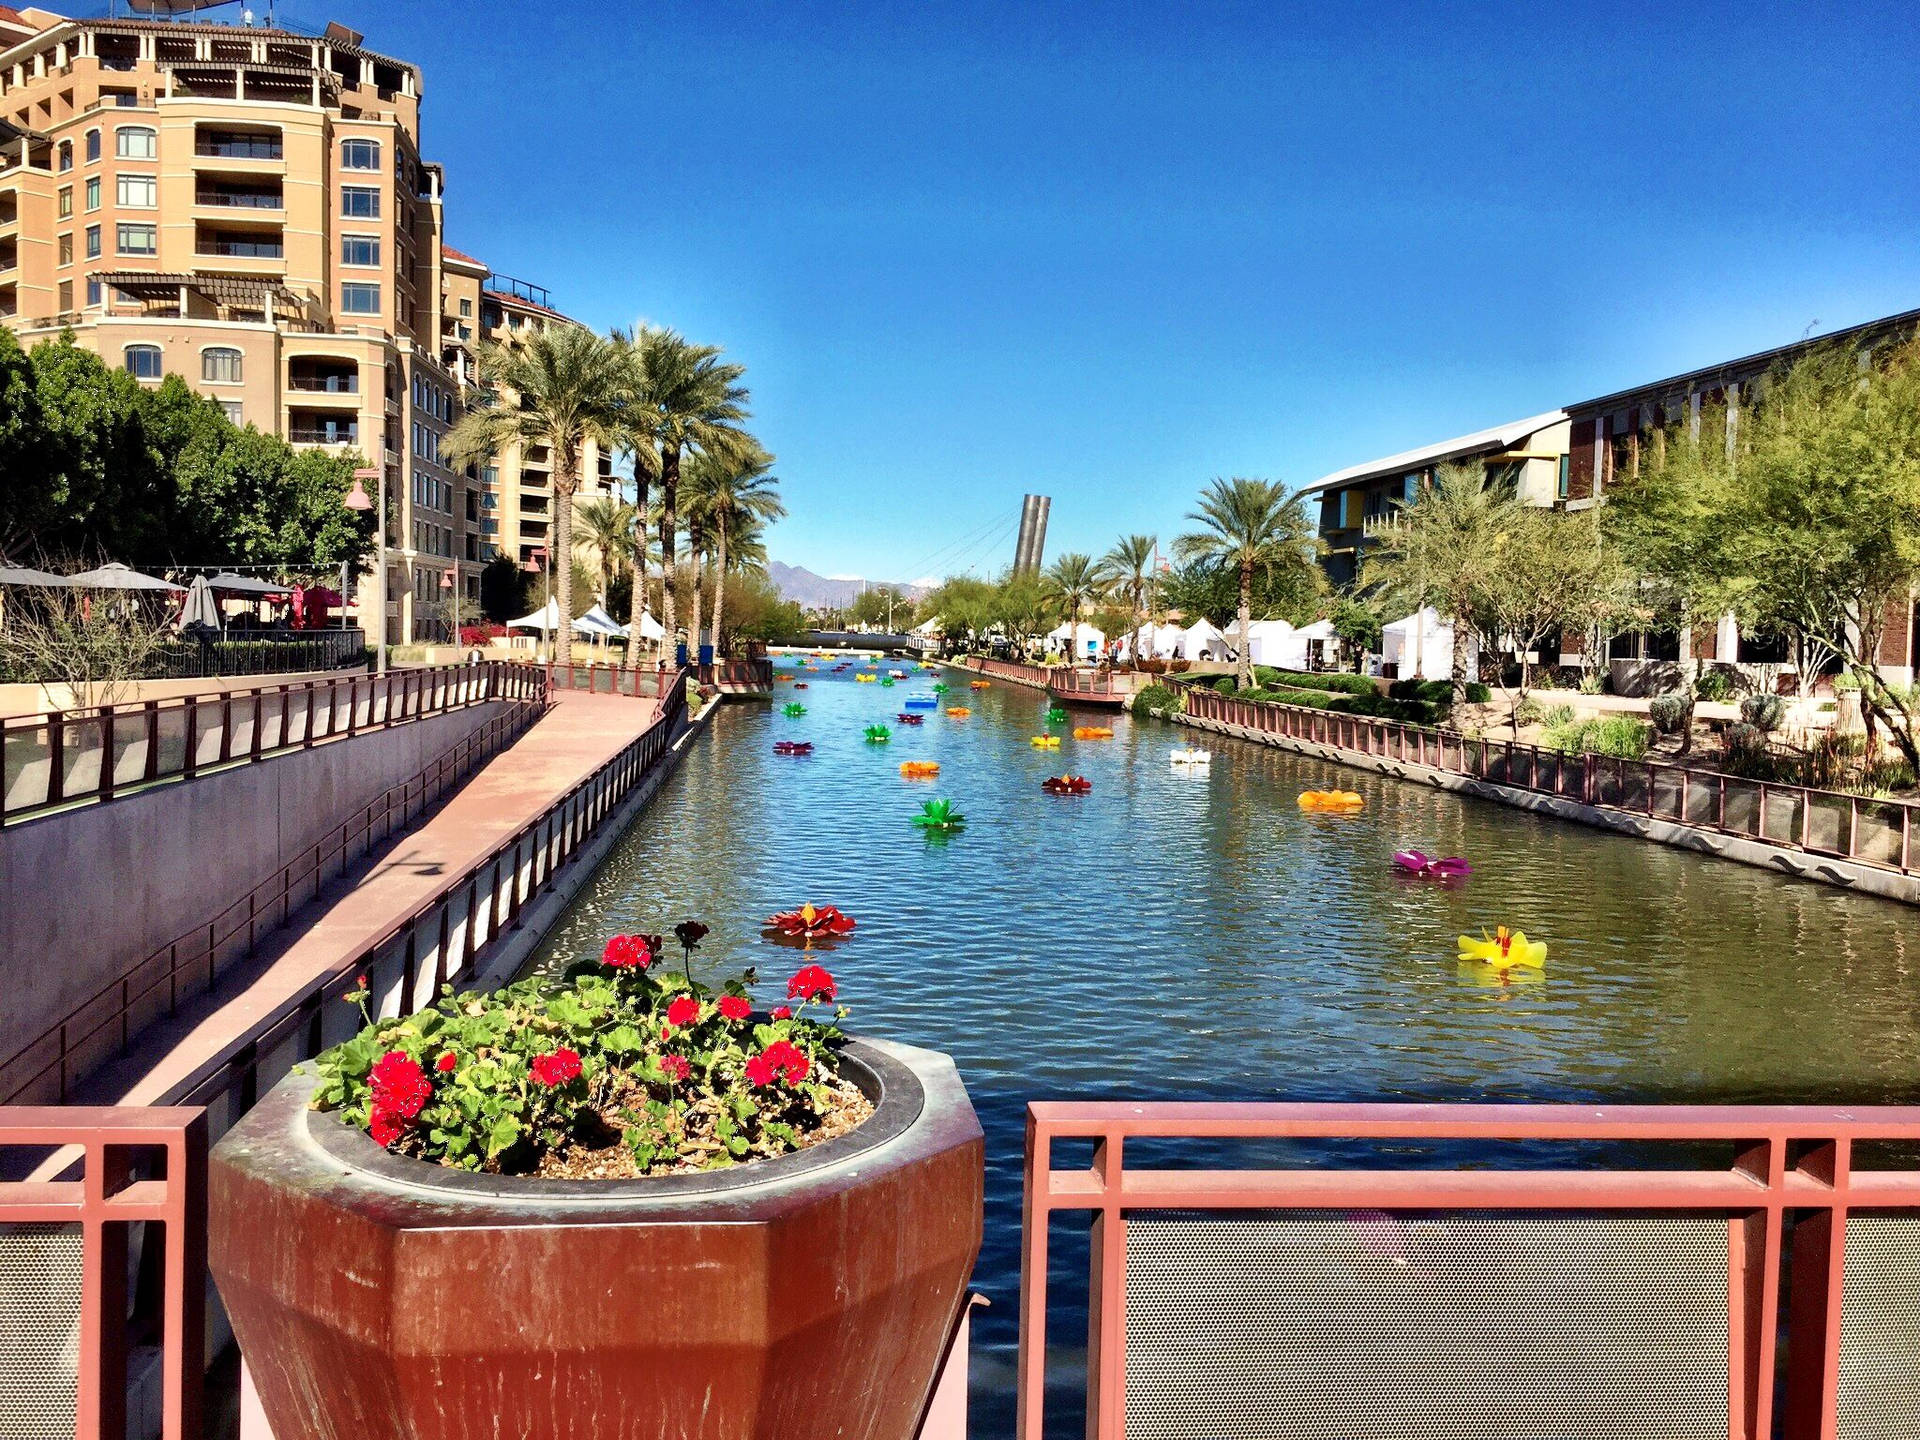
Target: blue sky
1106,251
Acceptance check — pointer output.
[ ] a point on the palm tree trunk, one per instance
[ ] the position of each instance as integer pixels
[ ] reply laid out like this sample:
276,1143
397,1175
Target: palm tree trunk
1244,661
1459,653
565,481
669,541
637,604
719,581
693,631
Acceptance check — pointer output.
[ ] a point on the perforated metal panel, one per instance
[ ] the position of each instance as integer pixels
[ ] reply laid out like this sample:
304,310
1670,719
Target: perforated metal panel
39,1330
1879,1390
1321,1326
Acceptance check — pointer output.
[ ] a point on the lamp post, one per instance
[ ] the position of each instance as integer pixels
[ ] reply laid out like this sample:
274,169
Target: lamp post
451,609
357,500
540,555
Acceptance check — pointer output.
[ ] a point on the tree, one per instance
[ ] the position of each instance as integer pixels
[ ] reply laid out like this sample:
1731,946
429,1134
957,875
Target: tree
559,387
1550,571
1021,606
606,528
1441,551
503,590
688,398
1127,570
1071,581
1255,527
964,606
881,606
736,487
1357,624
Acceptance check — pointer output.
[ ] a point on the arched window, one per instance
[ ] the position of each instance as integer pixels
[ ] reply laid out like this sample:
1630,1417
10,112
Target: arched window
221,364
143,362
136,142
66,154
359,155
93,144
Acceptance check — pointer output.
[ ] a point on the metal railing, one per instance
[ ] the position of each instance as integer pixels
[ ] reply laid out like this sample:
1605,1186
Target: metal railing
752,674
67,1249
445,939
323,435
1038,676
326,384
240,199
1064,679
1327,1298
615,680
272,653
103,1025
65,757
1796,817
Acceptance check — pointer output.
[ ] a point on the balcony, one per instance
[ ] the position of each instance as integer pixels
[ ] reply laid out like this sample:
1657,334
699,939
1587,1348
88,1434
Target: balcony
233,195
319,429
240,244
238,145
323,378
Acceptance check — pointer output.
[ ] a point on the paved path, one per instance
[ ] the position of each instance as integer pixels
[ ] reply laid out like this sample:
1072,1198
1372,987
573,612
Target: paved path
578,735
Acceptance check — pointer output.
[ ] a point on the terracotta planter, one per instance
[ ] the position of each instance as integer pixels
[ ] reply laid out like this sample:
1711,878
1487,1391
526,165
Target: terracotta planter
809,1296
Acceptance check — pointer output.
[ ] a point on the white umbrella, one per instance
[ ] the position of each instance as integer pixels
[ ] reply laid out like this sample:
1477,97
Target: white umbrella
200,607
243,585
115,576
16,575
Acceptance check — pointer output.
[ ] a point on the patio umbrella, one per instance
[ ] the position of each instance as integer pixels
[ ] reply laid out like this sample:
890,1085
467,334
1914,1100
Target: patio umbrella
115,576
17,575
200,609
234,584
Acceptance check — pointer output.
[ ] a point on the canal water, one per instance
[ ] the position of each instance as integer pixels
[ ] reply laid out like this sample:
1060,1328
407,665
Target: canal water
1187,936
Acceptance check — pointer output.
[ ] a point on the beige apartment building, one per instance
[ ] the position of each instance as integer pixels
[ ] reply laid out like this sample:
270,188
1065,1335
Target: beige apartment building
248,208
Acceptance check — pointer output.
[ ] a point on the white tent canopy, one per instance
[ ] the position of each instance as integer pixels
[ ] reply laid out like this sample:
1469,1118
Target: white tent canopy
1154,642
650,628
1203,641
1422,646
595,622
1276,643
1087,639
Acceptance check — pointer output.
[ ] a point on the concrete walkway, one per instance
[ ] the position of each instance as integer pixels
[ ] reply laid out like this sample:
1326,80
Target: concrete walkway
576,737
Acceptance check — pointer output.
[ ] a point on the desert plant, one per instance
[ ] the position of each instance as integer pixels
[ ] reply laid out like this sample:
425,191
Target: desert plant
1713,685
1670,713
1763,712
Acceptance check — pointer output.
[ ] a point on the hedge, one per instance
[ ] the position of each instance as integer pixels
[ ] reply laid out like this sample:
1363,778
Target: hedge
1300,680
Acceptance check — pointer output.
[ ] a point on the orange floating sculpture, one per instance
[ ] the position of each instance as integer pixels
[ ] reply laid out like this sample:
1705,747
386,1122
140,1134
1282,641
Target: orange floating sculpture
1336,802
1092,732
919,769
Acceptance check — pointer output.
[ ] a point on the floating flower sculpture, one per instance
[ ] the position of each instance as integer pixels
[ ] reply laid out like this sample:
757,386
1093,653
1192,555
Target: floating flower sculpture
793,709
1067,785
923,702
959,712
1503,950
793,747
1092,732
886,682
878,734
1333,802
799,684
979,684
1056,715
907,717
940,687
1045,742
896,674
938,817
919,769
864,679
1427,867
809,923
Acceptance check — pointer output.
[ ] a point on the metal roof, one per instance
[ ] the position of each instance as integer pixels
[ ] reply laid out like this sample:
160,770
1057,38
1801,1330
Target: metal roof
1499,437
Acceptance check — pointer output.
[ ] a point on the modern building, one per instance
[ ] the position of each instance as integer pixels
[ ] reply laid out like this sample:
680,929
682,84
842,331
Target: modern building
248,208
1358,503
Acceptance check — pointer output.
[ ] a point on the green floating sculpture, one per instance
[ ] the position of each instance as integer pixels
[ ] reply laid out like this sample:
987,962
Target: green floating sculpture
938,817
793,709
878,734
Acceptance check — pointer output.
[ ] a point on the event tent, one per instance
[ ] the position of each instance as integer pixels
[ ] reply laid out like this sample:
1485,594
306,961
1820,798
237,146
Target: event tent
1087,639
1276,643
1203,642
595,622
1154,642
1422,646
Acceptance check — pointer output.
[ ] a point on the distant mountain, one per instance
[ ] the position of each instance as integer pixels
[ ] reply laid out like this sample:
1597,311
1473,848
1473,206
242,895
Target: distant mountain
822,592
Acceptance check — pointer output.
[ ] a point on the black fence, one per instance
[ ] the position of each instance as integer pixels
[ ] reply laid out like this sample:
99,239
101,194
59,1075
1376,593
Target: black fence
268,653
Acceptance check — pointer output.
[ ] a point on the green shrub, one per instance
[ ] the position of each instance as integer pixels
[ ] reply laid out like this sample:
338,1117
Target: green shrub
1557,715
1265,676
1670,714
1478,694
1714,685
1763,712
1345,684
1225,685
1434,692
1620,736
1155,697
1528,712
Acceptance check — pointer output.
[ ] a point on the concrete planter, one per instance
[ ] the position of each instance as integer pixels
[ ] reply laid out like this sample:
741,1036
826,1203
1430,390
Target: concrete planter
808,1296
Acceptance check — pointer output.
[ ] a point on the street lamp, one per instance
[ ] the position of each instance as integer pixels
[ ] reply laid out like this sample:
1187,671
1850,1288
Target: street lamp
540,554
452,610
357,500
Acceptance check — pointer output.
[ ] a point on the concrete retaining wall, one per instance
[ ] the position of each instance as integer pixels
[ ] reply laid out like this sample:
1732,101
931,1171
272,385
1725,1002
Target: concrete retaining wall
24,699
87,893
1798,864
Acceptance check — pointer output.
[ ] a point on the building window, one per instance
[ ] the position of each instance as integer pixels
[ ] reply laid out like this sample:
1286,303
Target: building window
359,299
66,253
221,365
93,291
136,142
93,242
359,155
466,308
359,249
93,145
137,192
359,202
138,239
66,296
93,192
232,409
66,155
1560,486
143,362
66,201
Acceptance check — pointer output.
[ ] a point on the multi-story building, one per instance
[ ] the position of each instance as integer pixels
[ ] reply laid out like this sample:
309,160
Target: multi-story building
248,208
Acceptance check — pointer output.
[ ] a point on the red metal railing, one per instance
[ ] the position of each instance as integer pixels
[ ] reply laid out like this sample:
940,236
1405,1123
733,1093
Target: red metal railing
1786,1199
141,1168
1797,817
153,989
70,756
751,674
1065,679
613,680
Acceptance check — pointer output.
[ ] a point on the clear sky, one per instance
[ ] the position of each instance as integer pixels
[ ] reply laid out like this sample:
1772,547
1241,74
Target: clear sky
1106,251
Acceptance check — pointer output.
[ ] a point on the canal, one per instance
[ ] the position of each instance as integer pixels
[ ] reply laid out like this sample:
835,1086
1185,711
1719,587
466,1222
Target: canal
1176,935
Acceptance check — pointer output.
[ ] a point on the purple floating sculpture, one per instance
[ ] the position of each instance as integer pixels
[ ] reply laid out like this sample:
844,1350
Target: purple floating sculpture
1451,867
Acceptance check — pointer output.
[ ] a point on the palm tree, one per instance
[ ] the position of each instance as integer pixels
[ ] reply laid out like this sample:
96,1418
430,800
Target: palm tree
731,486
634,436
1071,581
688,399
560,387
1442,550
1126,569
1252,526
606,527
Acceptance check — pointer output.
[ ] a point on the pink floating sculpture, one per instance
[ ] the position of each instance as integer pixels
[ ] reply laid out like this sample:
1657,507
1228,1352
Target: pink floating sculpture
793,747
1413,862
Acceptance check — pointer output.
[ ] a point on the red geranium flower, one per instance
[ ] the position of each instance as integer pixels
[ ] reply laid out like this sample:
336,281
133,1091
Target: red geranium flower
735,1007
781,1060
683,1011
783,1012
446,1062
399,1085
675,1067
556,1069
385,1128
811,982
626,952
